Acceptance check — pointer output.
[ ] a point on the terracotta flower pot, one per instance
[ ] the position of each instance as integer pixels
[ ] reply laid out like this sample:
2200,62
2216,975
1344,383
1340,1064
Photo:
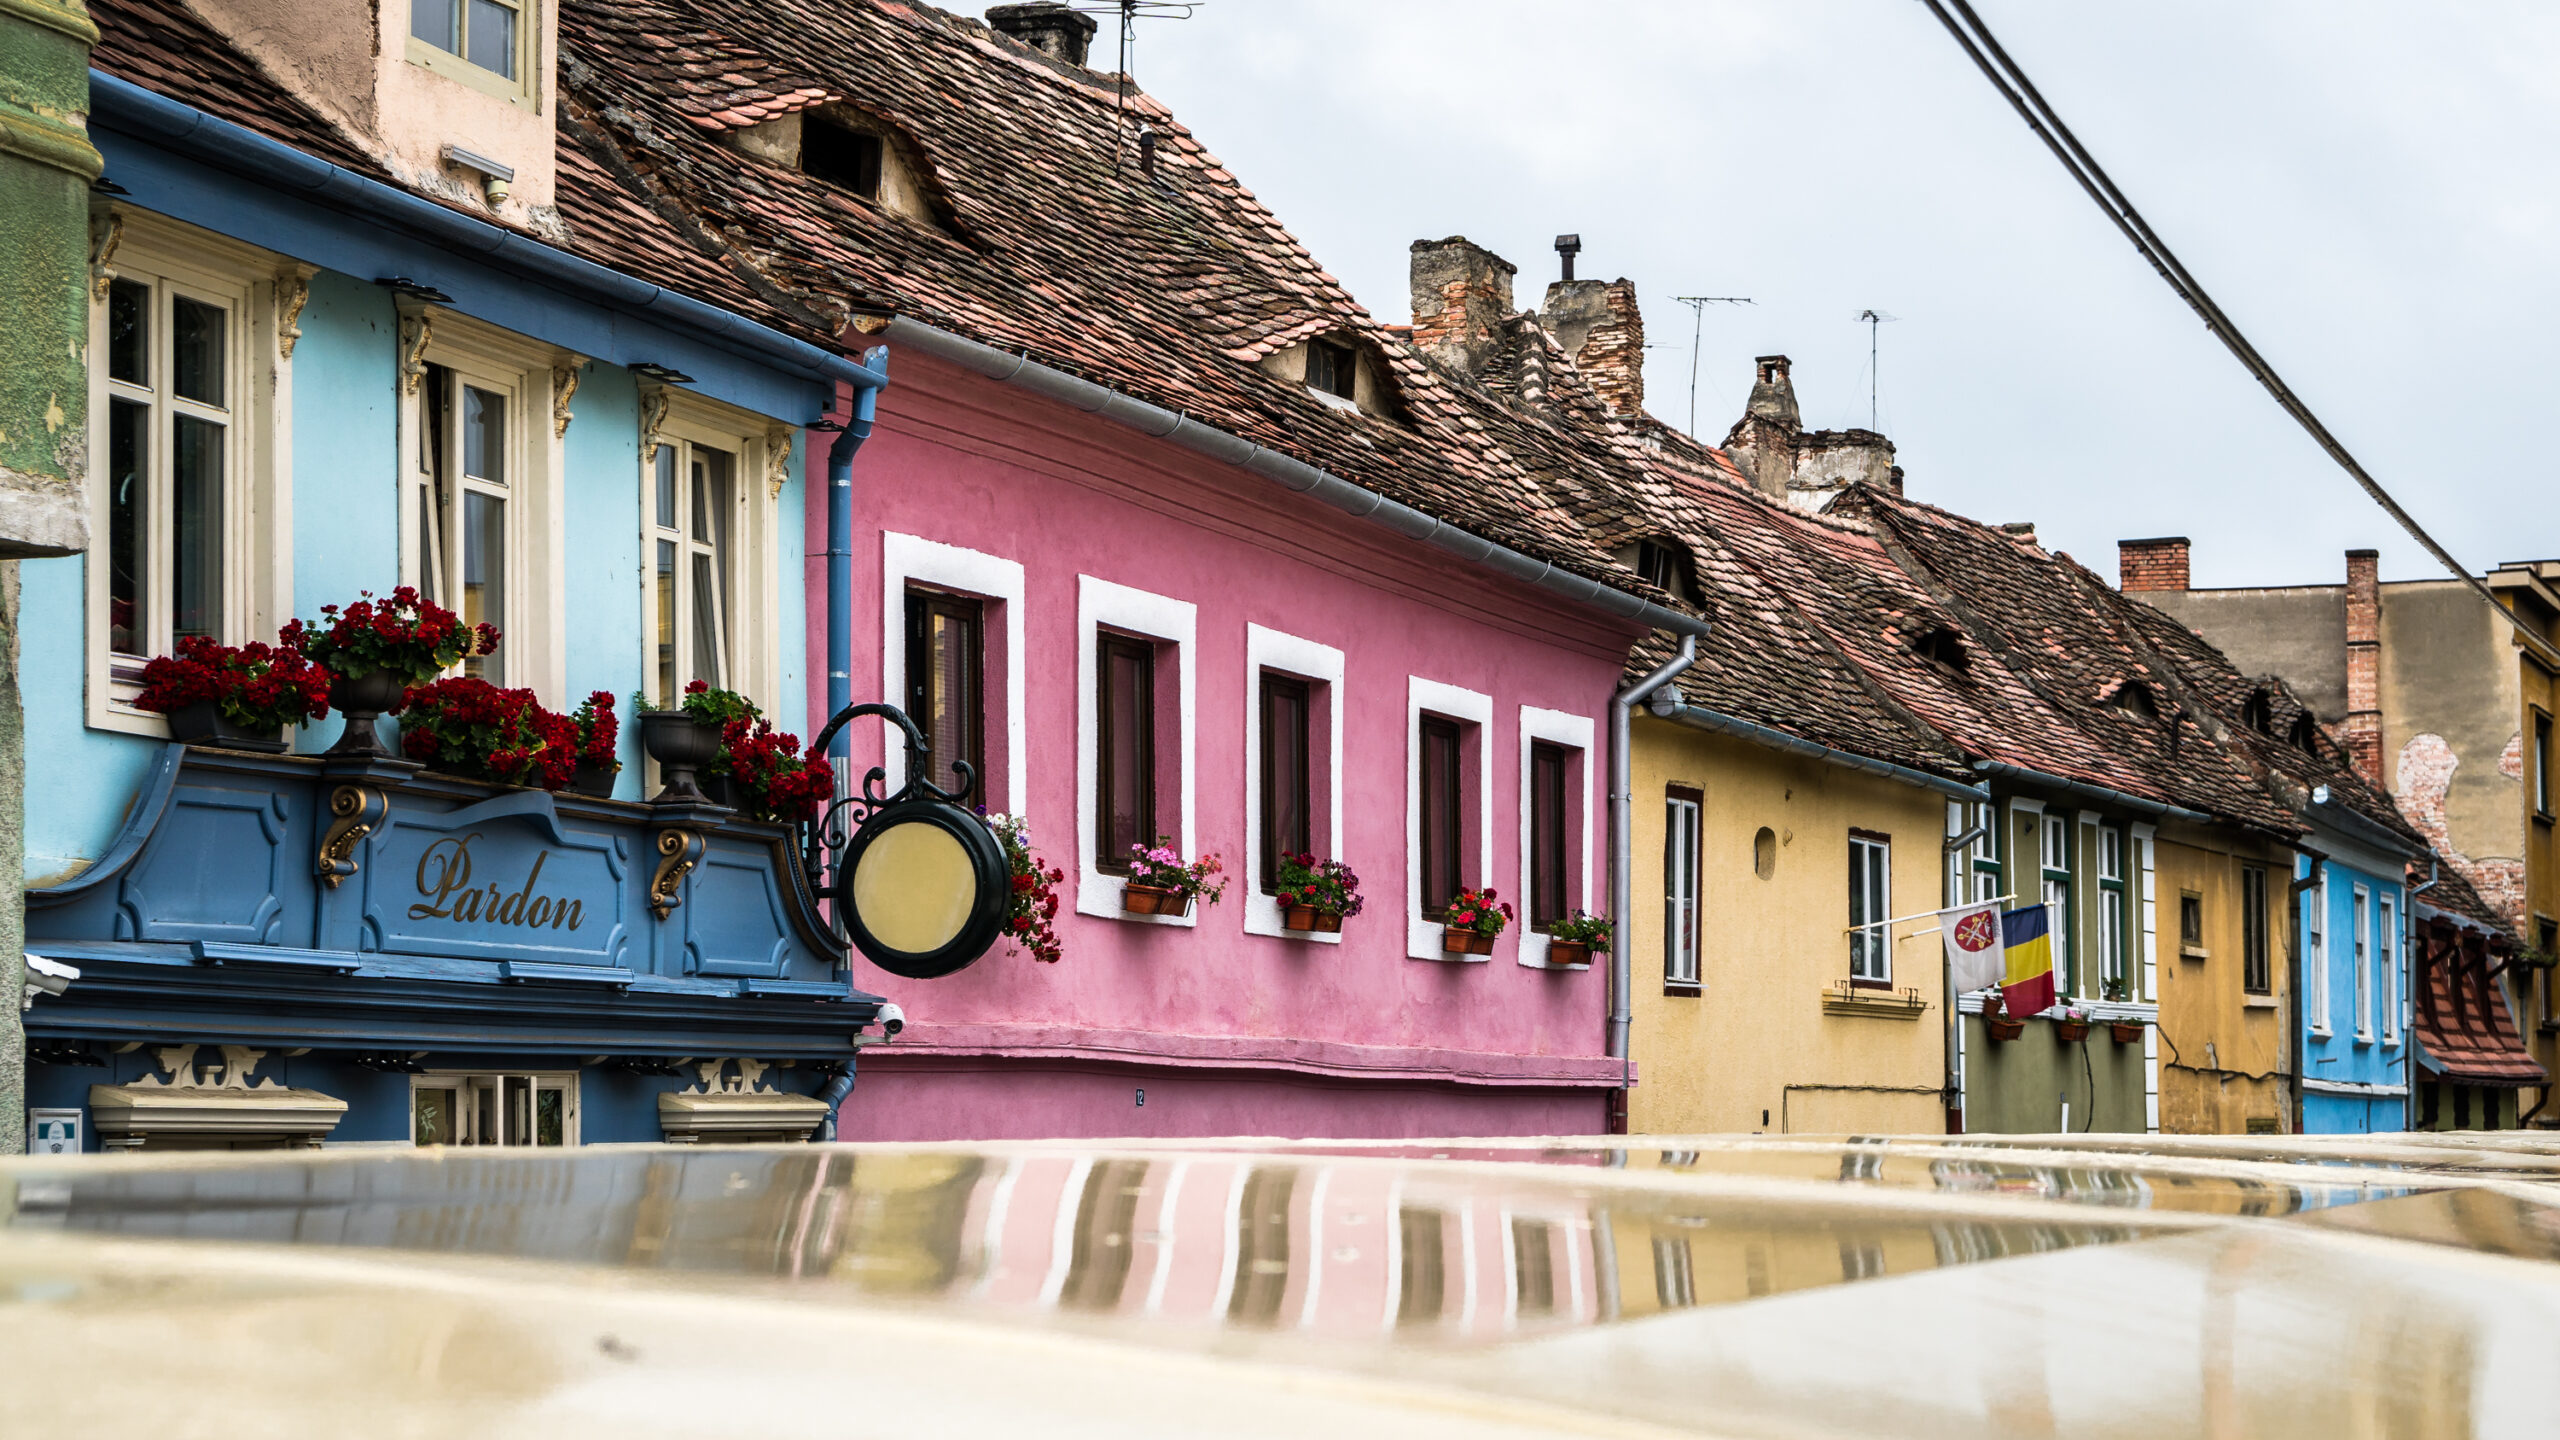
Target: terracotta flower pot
681,745
2070,1032
2126,1034
2004,1028
594,779
1568,952
362,699
1149,900
202,724
1465,942
1301,917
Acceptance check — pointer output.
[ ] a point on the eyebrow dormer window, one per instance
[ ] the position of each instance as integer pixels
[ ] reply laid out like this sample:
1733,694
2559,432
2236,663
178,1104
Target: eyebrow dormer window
2134,698
1943,646
483,32
1333,369
838,154
2257,713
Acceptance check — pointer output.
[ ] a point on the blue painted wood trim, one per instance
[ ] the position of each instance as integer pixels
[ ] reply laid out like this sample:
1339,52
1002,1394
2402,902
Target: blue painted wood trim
215,952
149,804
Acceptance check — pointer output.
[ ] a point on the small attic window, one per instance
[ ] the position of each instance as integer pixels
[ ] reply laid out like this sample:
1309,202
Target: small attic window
2258,713
1942,645
2134,698
1333,368
2305,735
840,155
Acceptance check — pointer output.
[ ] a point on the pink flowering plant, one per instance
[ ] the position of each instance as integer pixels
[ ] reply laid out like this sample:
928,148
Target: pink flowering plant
1031,922
1326,886
1161,867
1582,928
1483,911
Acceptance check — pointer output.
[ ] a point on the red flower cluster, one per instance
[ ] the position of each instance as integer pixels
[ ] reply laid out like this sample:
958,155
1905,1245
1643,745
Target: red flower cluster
768,776
255,686
1483,911
1031,920
599,729
471,727
408,635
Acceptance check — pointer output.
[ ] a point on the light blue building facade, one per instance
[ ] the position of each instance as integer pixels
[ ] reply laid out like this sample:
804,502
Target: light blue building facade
2353,999
309,382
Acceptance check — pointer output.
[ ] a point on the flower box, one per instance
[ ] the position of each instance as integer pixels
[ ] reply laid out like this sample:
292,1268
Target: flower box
593,780
2126,1032
1309,918
202,724
1568,952
2004,1028
1466,942
1149,900
681,745
2070,1032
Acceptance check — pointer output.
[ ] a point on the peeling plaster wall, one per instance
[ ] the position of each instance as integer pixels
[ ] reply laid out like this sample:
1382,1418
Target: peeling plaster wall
2451,711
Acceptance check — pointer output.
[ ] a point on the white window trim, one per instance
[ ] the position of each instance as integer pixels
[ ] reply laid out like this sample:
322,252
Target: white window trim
537,628
258,475
1696,878
2387,927
1574,732
567,1080
2141,838
2360,938
2316,950
754,621
1266,649
1884,851
1100,603
1422,935
913,560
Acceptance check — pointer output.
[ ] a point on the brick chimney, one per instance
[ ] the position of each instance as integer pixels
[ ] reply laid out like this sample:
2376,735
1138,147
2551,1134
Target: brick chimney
1600,327
2159,563
1461,296
1048,27
2362,729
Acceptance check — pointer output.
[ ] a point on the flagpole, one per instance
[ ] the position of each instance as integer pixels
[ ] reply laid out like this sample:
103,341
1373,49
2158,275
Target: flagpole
1926,914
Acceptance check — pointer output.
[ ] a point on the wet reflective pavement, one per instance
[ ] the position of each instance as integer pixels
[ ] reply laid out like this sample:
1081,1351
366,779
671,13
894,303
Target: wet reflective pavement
1718,1285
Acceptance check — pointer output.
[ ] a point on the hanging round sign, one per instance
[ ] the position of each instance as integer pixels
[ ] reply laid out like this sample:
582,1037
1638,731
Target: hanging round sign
923,887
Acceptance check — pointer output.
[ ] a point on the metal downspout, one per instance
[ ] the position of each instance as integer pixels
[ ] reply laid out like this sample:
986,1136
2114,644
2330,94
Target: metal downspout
840,455
839,1087
1621,881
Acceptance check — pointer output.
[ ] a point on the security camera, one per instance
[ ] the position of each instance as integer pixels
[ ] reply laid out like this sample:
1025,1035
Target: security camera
892,1020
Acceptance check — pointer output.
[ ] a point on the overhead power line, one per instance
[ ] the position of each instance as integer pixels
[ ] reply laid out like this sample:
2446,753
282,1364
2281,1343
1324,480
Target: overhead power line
2014,86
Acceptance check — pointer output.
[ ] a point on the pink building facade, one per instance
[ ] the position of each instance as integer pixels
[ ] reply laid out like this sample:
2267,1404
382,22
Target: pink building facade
1052,529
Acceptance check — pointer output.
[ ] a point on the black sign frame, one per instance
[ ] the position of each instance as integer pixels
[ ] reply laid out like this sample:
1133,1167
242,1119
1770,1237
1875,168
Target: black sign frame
832,846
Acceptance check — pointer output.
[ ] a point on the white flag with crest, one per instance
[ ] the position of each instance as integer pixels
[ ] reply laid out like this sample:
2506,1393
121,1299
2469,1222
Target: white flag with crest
1972,936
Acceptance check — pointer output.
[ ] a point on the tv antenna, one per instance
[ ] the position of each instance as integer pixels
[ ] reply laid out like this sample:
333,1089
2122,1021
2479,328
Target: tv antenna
1698,323
1873,320
1130,12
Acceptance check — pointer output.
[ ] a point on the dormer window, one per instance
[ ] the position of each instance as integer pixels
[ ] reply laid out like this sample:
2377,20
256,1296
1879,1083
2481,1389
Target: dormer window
1333,368
1337,371
837,153
1664,563
2305,735
2134,698
2258,713
1942,645
483,32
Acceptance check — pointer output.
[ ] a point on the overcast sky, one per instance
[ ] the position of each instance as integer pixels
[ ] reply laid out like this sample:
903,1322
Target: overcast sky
2369,190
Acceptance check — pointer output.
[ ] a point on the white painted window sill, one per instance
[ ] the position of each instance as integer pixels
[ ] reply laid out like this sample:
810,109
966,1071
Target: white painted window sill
2259,1002
1445,958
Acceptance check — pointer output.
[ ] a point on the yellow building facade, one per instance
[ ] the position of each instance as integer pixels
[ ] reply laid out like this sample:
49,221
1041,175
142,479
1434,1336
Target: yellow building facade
2223,975
1746,1017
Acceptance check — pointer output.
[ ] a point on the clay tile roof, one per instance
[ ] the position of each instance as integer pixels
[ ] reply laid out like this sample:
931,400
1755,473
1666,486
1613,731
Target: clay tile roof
2464,1028
163,47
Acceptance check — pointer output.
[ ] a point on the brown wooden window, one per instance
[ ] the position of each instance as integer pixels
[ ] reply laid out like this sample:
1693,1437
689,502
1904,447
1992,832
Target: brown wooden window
839,154
1286,798
2254,976
1332,368
1443,827
946,675
1126,710
1548,767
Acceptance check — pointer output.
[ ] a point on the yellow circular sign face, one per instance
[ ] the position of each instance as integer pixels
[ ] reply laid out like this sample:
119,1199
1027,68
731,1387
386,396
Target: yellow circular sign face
915,887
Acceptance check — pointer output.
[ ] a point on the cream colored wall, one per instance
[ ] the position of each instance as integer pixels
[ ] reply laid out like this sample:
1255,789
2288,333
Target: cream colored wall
2202,998
1757,1036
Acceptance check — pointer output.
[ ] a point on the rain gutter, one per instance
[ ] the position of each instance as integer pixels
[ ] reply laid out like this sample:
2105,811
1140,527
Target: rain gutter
1671,707
2083,789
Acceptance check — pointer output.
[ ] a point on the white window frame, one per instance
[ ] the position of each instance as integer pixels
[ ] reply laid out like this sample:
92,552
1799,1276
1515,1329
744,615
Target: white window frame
1878,930
464,1081
1967,881
2315,947
2387,951
257,555
522,88
1101,605
2143,839
2115,931
2053,842
1273,650
2361,940
752,625
1421,933
1683,937
909,561
534,651
1572,732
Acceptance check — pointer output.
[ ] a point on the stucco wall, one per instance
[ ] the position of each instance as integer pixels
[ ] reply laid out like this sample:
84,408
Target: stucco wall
964,462
1755,1051
2021,1086
2223,1052
2449,670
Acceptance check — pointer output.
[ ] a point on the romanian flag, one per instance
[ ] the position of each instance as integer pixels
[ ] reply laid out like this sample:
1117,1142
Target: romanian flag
2026,952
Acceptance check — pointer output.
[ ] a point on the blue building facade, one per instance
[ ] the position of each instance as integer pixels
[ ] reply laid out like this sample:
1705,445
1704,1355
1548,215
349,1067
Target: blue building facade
2353,999
310,380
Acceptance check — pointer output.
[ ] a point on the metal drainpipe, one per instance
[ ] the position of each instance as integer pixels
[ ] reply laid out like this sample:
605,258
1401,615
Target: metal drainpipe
1621,881
840,555
839,1086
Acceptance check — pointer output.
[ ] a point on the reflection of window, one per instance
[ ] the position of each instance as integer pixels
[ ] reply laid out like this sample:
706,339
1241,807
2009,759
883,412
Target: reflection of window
1674,1282
1423,1236
1443,820
1262,1247
946,679
2254,975
1680,887
1287,820
1125,711
1533,1261
693,497
483,32
1548,767
1870,907
170,473
463,519
494,1110
1106,1224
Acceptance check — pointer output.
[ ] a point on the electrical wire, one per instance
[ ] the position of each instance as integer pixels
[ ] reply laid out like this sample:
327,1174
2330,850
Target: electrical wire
2014,86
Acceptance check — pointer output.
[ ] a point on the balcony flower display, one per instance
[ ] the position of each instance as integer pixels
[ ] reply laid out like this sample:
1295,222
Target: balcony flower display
378,648
1571,940
1316,895
1472,920
2072,1026
599,741
465,726
1996,1018
1161,882
764,774
1031,920
241,697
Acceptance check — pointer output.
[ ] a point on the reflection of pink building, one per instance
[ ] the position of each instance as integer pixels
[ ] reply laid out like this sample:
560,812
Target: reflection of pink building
1222,560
